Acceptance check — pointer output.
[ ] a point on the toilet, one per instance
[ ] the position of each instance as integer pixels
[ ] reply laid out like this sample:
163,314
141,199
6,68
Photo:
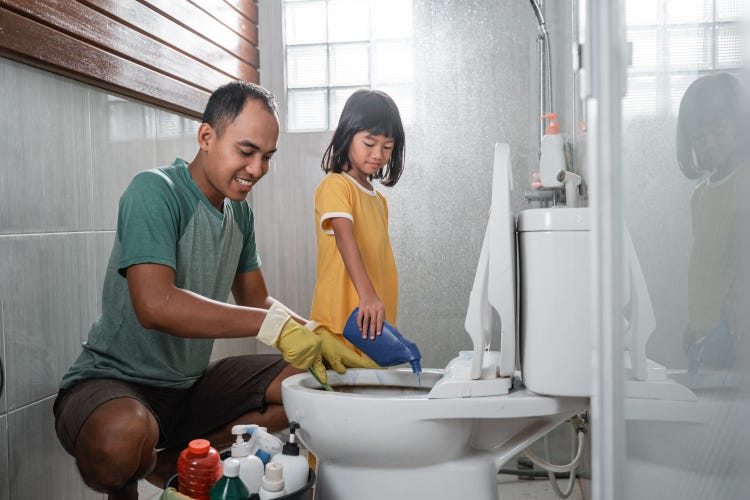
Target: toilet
391,434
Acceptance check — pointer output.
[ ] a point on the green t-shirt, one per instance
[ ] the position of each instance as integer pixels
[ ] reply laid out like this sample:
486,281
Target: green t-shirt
164,218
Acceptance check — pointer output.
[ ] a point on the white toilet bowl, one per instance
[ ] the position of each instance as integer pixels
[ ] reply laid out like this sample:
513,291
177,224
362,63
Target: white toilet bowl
379,436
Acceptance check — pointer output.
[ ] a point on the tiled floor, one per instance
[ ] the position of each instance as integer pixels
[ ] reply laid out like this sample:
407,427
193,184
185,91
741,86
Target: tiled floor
512,488
147,491
509,488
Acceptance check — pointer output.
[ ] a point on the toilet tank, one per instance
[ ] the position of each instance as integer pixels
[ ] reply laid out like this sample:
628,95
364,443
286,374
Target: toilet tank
555,302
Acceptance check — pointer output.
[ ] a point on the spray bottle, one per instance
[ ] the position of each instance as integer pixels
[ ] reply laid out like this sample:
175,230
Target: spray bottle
295,465
390,348
262,443
551,154
251,466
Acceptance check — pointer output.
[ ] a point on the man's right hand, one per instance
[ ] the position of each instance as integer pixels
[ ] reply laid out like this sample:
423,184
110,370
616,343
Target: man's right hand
299,346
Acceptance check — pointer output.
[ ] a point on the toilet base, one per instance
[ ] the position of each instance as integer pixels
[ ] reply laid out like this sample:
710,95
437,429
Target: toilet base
473,477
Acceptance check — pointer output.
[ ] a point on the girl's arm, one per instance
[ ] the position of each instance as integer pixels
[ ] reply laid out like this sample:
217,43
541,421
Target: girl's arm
371,309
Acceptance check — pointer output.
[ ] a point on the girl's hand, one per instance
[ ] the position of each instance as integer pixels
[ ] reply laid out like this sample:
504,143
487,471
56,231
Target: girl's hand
371,316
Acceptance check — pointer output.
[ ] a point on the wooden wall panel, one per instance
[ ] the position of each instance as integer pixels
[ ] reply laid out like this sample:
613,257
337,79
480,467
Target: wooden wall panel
171,53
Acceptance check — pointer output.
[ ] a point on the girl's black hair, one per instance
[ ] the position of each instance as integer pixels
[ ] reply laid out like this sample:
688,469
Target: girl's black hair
375,112
227,102
706,100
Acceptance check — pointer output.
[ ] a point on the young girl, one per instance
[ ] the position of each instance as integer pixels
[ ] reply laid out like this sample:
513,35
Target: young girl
711,148
356,267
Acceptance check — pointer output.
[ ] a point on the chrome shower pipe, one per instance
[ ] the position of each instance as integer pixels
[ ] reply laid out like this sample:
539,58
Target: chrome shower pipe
545,67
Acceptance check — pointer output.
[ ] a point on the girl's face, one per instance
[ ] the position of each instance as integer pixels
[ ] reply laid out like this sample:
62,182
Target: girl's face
715,143
368,153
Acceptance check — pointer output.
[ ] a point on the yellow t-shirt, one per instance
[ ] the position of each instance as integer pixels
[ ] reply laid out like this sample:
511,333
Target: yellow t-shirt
335,297
713,261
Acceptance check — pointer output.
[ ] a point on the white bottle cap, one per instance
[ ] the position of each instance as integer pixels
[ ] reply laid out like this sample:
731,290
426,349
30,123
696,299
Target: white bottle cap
231,467
273,480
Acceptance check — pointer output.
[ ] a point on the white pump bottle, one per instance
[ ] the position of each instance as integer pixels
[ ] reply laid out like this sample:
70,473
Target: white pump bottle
251,466
551,154
295,465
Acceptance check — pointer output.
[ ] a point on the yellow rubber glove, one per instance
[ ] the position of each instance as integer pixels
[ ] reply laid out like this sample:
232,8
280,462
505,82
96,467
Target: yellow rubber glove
299,346
338,352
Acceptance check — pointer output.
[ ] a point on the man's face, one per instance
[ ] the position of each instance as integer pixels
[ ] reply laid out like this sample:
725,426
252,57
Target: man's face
240,157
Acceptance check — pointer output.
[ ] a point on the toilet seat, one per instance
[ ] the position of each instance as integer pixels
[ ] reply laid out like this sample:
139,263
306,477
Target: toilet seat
517,403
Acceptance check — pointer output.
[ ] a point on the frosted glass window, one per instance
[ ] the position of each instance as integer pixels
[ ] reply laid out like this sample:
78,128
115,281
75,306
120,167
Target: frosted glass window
641,12
305,22
337,100
349,64
689,11
392,19
333,47
674,42
403,96
641,96
348,20
645,48
392,63
306,66
727,10
307,109
690,48
728,47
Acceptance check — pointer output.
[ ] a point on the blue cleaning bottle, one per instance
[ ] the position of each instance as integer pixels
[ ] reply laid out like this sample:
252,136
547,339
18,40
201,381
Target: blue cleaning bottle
390,348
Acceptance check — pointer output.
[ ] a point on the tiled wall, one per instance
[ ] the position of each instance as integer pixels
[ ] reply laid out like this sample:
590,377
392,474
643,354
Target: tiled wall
69,150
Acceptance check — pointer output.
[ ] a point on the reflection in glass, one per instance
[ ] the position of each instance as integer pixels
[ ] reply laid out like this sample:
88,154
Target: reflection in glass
684,178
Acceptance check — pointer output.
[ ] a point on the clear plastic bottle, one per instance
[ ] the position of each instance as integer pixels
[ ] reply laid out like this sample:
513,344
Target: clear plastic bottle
390,348
295,465
198,468
230,486
273,482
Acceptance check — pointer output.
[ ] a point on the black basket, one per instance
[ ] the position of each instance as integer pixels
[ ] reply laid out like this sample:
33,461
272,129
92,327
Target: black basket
304,493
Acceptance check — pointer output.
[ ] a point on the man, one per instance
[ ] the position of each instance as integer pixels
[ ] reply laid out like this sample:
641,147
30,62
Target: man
185,238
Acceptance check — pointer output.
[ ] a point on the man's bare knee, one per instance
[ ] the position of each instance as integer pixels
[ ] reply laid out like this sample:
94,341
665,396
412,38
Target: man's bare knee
116,445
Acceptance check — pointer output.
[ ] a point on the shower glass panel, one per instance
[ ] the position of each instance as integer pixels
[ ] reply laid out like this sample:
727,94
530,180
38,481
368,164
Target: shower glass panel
685,178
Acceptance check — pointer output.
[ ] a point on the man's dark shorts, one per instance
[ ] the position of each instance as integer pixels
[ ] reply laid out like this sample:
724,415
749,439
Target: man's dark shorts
229,388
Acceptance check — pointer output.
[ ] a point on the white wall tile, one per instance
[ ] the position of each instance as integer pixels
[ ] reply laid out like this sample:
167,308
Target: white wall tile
45,181
48,299
40,466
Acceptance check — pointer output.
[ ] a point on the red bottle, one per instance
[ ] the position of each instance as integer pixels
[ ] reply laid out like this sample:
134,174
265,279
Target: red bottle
198,468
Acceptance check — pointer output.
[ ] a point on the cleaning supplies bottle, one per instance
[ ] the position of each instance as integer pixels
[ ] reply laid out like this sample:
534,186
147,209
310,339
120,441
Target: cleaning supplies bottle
390,348
230,486
273,482
251,466
295,465
551,154
198,468
262,443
